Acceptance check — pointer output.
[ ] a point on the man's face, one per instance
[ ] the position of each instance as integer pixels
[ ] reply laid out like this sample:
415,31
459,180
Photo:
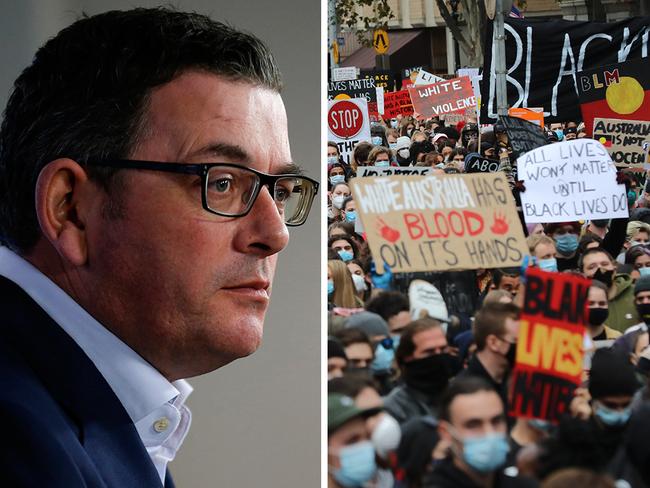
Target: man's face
509,284
187,289
383,157
593,261
350,433
359,354
332,151
544,250
336,367
642,297
429,342
398,322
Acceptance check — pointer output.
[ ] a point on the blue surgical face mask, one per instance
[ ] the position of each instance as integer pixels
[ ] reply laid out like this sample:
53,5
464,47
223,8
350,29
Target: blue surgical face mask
396,338
613,418
382,164
566,243
644,271
393,123
543,425
392,145
357,464
336,179
351,216
330,287
376,140
631,198
549,264
485,453
332,159
383,359
346,255
560,134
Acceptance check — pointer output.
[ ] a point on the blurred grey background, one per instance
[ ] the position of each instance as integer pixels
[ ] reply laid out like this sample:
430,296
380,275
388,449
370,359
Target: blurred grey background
256,422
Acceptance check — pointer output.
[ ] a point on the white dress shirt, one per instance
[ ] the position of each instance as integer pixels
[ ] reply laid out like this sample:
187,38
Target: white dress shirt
155,405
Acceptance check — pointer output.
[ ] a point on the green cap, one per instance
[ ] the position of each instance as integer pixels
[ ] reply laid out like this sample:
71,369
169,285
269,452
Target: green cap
341,408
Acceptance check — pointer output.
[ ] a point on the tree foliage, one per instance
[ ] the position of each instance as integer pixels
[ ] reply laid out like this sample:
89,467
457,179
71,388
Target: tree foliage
350,13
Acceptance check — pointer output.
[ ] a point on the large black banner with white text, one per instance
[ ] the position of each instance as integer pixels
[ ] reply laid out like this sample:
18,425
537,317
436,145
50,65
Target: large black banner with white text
542,58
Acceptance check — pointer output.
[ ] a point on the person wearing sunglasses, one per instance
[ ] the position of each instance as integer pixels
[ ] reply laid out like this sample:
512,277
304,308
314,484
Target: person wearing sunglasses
146,186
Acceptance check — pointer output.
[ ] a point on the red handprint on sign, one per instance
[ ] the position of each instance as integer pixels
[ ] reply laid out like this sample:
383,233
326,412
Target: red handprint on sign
387,232
500,225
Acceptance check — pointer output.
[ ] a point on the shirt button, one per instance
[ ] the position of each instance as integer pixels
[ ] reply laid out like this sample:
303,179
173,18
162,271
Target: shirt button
161,424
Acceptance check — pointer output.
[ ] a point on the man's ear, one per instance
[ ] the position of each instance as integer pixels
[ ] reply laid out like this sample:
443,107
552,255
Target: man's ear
61,208
443,431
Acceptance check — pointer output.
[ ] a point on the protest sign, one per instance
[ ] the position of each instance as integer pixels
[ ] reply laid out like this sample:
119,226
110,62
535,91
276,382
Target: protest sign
625,140
571,180
444,97
364,171
615,91
459,289
440,222
534,115
426,78
383,78
348,123
344,74
409,75
548,364
522,135
397,103
544,57
362,88
426,301
475,163
475,77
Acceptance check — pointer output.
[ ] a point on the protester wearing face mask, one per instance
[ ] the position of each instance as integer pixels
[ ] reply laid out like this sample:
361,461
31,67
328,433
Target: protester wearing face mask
598,310
496,328
333,155
642,300
380,157
402,149
598,264
473,422
350,452
638,257
340,287
344,246
426,367
336,174
349,210
637,233
612,384
361,279
378,135
542,248
394,308
565,235
360,155
384,430
340,191
358,350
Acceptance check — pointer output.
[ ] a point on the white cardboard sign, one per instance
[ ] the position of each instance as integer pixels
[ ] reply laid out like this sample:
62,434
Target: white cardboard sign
569,181
426,78
346,145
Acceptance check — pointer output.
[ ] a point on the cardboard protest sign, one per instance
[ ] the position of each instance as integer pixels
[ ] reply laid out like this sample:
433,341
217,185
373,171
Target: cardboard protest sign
409,75
365,171
459,289
426,78
625,140
344,74
360,88
348,124
544,58
534,115
397,103
444,97
522,135
571,180
383,78
426,300
440,222
615,91
475,163
475,77
549,356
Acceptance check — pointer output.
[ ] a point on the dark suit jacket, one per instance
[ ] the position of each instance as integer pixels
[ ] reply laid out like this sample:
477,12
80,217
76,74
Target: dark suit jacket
62,425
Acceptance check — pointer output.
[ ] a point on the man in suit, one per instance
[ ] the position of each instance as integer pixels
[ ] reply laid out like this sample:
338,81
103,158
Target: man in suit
146,186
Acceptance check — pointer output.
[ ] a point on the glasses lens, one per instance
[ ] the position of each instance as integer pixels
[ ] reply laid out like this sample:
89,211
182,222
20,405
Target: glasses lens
230,189
293,196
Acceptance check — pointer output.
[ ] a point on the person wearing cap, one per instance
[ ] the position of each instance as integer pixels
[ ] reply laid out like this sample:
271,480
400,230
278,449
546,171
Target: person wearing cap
598,264
496,328
350,453
612,385
642,299
337,361
426,367
473,422
565,235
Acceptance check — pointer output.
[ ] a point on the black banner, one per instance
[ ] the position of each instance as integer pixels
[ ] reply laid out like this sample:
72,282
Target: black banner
475,163
363,88
543,57
384,79
523,136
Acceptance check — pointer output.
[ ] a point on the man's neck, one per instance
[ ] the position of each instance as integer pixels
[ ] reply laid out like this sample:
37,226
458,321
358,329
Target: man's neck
523,434
596,331
485,480
493,365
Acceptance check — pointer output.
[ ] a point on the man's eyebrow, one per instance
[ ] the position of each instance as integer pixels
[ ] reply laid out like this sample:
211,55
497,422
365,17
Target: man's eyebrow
223,150
289,169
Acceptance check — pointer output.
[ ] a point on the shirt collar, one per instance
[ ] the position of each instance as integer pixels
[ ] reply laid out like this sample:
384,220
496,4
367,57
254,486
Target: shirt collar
136,383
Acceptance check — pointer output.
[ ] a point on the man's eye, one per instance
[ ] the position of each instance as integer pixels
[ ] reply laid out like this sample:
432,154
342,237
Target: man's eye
221,185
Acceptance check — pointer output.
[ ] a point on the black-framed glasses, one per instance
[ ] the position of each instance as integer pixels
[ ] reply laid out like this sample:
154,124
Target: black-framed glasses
230,190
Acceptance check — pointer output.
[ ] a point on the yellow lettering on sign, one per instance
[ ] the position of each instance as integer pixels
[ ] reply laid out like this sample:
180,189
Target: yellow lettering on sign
553,349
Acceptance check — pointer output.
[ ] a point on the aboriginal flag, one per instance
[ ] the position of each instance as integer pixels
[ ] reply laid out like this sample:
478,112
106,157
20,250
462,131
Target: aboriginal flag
615,91
604,139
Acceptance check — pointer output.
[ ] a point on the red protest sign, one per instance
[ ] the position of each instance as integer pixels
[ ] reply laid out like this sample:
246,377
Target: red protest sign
447,96
345,119
548,366
396,103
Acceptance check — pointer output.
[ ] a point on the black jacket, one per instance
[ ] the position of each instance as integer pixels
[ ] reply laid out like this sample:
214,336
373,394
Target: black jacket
447,475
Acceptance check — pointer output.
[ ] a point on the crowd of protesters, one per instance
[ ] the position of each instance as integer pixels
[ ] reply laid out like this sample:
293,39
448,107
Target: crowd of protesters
420,399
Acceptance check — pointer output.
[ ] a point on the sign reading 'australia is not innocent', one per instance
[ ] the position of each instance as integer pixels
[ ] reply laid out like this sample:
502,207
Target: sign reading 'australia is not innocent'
568,181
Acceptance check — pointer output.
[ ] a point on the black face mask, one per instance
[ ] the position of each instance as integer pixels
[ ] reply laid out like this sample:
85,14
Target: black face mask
429,375
511,355
604,276
643,309
597,316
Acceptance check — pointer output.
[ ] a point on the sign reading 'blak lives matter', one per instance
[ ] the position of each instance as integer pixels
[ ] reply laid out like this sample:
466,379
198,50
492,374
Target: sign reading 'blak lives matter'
444,97
440,222
572,180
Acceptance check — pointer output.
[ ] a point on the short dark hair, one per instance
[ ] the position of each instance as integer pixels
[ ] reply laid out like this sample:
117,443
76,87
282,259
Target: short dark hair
86,94
353,335
462,385
499,273
346,238
593,250
388,304
406,346
491,320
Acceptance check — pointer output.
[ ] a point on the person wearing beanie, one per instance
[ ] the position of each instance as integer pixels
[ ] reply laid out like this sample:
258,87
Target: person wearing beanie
642,298
337,361
612,385
402,150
